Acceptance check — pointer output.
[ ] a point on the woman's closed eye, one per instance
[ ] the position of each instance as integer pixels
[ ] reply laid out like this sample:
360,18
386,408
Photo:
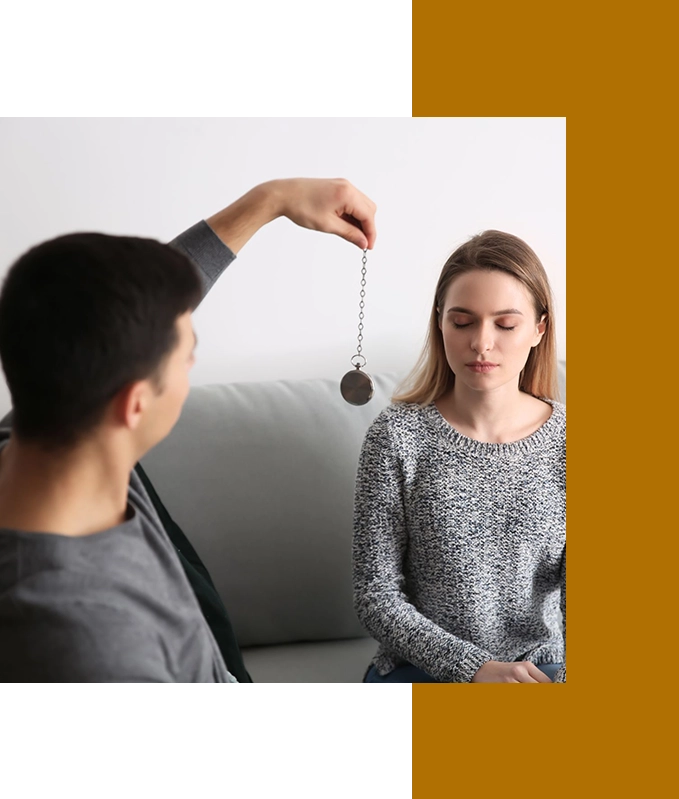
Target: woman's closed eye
460,325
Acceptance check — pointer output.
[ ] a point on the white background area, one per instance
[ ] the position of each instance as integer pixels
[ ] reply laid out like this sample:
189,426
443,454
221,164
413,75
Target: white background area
288,306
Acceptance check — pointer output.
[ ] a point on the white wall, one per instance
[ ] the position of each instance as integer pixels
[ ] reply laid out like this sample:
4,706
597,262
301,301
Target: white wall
288,306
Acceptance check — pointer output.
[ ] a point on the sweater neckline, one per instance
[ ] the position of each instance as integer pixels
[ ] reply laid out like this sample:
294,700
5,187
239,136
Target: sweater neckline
534,441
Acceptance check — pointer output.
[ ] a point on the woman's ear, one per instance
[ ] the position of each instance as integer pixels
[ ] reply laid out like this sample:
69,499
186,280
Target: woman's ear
540,329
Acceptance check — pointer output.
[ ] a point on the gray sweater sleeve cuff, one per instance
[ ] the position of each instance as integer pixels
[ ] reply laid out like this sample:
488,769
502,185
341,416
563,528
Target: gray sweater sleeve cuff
471,663
560,676
206,250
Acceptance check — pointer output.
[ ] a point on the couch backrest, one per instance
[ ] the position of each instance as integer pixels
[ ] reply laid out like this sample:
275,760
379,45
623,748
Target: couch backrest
260,476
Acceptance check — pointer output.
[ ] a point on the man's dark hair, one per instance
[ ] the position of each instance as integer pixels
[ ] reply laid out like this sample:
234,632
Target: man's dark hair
82,316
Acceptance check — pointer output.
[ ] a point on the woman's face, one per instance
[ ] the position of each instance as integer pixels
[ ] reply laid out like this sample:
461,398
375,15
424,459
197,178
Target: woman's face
488,326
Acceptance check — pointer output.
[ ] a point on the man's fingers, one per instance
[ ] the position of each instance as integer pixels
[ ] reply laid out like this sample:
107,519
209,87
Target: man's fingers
366,219
351,232
356,207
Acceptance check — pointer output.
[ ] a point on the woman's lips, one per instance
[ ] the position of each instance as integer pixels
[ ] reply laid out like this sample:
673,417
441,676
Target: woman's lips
481,366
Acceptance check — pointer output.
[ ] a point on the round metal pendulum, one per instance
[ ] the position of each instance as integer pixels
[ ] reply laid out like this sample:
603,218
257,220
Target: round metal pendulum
357,387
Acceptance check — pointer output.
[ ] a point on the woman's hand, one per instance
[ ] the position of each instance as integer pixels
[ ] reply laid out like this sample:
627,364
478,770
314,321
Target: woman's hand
518,671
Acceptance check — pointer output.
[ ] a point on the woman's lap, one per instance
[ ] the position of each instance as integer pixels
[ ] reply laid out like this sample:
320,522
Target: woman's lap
410,673
405,673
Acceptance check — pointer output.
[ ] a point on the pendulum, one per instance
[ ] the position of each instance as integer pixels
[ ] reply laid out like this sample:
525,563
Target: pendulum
357,387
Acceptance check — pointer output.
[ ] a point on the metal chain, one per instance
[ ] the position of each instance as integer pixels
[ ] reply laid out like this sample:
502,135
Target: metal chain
361,316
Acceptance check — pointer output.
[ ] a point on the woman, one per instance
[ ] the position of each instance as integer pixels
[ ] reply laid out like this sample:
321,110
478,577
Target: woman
459,539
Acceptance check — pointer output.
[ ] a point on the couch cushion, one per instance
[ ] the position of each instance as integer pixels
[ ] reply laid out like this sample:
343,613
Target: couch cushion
260,476
324,661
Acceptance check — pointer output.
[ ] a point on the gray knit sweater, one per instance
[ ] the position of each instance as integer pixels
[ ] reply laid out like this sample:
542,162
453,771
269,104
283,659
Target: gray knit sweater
459,545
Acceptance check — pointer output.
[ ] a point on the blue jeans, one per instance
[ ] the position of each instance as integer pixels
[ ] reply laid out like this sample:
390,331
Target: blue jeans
410,673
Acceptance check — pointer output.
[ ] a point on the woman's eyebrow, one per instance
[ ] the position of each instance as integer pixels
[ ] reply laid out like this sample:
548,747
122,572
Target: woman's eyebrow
505,312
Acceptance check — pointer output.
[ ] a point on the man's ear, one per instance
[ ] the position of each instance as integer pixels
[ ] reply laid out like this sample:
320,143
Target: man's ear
131,402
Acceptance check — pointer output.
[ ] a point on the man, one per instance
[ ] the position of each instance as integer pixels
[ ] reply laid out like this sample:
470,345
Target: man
96,342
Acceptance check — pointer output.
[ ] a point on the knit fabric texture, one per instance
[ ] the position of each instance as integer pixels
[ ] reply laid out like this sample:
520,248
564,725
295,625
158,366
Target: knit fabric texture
460,546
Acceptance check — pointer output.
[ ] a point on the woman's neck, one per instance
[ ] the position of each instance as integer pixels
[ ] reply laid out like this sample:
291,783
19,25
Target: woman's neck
500,416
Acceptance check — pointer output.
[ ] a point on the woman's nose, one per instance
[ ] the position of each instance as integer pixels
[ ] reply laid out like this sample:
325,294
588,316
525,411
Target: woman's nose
482,340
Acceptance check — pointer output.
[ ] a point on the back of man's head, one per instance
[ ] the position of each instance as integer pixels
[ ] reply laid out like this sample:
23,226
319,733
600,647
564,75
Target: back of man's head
81,317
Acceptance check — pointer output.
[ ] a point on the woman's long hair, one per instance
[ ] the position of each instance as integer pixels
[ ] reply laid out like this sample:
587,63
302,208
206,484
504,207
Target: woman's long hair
432,376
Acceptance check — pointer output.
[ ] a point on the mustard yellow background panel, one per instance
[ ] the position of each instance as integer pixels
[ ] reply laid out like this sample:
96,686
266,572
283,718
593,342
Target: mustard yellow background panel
609,70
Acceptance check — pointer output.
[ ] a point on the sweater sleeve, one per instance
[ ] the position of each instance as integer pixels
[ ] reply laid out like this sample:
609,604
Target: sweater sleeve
560,676
380,591
206,251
